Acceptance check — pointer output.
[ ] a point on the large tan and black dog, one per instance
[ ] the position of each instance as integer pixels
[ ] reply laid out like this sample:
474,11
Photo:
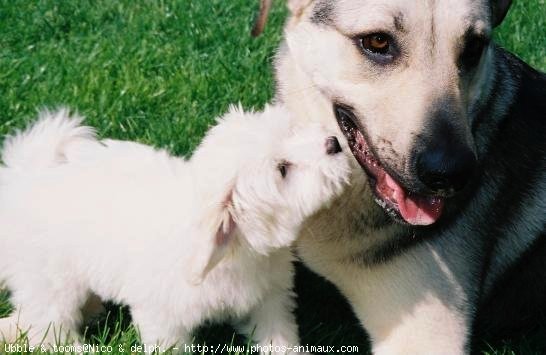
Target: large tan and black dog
445,220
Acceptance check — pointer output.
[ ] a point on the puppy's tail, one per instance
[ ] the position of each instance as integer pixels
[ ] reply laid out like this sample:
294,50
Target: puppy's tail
43,144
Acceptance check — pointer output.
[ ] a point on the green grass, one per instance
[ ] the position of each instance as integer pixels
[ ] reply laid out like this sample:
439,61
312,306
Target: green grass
524,31
158,72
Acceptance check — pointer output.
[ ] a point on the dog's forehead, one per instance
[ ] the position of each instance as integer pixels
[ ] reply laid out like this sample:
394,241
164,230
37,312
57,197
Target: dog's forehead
449,16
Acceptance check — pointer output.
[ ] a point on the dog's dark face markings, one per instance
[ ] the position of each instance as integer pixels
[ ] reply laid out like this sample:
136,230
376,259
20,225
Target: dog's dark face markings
405,80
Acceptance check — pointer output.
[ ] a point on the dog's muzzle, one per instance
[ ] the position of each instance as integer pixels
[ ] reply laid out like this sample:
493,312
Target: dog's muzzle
399,202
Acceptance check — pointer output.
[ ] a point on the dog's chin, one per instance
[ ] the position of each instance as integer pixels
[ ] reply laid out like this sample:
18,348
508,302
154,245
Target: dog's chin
401,204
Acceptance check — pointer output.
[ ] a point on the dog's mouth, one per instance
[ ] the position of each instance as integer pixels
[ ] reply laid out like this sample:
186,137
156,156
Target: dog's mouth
391,195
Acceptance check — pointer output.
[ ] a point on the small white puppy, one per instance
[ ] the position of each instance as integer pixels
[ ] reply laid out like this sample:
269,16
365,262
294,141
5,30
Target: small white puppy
178,241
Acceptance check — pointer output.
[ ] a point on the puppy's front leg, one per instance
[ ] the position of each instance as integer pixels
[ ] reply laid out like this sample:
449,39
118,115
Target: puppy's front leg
272,324
159,330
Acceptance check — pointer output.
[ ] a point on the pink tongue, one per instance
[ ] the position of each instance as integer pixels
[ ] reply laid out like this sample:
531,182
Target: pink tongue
416,210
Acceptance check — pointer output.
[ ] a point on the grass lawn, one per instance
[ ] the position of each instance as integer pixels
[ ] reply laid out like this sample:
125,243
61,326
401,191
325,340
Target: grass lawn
158,72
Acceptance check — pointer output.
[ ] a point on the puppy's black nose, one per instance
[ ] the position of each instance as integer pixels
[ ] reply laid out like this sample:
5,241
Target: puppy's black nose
332,145
446,169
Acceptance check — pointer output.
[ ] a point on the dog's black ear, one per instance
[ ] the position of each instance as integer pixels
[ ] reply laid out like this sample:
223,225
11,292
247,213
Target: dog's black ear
499,9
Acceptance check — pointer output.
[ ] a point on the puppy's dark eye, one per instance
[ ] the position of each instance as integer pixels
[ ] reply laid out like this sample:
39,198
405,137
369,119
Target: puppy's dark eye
283,168
378,46
472,52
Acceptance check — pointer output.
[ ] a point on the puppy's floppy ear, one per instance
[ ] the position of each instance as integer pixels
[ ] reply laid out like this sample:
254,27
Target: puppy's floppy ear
215,235
221,242
499,9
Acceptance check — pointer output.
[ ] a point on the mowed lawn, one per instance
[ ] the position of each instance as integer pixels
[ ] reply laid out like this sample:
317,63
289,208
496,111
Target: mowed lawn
159,72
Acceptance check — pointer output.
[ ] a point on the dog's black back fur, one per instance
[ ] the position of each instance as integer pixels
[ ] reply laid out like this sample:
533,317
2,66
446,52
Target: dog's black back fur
516,156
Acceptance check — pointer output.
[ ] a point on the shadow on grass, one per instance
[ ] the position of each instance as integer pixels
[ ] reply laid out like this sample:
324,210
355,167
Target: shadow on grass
324,318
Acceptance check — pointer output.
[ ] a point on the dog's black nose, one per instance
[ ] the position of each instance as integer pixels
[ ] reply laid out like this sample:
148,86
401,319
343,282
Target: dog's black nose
444,159
332,145
445,169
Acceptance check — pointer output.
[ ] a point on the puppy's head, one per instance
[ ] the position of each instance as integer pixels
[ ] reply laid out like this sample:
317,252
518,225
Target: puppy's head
274,194
404,80
259,178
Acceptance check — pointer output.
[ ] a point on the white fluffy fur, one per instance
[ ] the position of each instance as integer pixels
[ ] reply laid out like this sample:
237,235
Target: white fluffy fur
178,241
48,137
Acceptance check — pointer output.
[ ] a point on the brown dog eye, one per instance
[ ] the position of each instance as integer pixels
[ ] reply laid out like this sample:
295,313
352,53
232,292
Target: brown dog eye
283,168
376,43
378,47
